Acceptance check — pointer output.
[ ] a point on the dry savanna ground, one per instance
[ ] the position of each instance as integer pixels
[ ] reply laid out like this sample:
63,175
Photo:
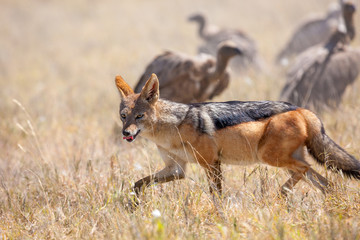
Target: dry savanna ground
64,171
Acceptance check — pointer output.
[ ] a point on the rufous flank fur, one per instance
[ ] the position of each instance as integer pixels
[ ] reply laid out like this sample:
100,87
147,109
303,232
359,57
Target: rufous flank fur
274,133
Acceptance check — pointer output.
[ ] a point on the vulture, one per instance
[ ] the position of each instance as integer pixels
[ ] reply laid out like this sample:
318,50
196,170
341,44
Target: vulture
213,36
189,79
312,31
320,75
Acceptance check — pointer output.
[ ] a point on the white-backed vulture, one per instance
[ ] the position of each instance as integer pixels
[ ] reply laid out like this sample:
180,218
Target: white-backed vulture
213,36
190,79
310,32
321,74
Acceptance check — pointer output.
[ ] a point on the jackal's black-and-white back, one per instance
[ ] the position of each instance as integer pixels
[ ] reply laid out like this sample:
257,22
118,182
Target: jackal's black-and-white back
211,116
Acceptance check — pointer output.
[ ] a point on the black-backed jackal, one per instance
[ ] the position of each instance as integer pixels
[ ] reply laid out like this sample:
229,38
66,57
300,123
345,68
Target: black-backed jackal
274,133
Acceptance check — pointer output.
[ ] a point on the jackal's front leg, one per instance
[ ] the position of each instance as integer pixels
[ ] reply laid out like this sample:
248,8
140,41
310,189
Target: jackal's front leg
174,169
214,175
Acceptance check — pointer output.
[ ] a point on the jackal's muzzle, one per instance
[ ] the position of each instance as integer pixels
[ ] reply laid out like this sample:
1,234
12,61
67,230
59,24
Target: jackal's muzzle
130,137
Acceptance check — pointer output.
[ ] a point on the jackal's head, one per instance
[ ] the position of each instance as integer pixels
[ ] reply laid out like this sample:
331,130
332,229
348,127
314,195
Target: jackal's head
137,109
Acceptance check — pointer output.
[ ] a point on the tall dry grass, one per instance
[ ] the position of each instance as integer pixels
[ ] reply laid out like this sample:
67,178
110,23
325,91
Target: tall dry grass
64,173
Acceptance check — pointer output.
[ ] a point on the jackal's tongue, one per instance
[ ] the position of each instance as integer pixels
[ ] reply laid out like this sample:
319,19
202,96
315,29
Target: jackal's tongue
130,137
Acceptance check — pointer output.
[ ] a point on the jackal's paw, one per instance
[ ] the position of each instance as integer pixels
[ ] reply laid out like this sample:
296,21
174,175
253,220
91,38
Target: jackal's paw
132,204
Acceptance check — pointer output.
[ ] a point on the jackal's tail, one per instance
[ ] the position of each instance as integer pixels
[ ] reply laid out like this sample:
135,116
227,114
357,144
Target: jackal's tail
326,151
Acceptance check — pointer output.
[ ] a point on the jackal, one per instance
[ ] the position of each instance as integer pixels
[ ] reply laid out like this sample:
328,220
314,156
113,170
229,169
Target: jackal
211,133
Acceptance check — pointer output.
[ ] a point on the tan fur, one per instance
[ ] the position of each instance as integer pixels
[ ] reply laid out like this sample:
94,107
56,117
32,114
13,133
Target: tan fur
279,140
123,87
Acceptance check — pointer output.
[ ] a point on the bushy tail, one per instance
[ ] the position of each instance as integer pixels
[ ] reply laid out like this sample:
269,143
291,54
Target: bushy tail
326,151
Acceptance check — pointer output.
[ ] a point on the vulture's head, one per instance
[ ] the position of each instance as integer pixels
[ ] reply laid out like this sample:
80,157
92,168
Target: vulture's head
198,17
348,8
228,49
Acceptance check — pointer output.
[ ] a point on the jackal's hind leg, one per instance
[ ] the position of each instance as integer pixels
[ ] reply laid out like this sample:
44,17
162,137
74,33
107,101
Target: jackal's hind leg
316,179
319,181
297,166
297,172
289,184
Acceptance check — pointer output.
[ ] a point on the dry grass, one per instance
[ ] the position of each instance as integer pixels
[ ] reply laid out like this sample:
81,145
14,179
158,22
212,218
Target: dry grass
64,174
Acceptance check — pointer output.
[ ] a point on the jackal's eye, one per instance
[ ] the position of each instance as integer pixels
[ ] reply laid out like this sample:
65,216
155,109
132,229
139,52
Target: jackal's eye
139,116
123,116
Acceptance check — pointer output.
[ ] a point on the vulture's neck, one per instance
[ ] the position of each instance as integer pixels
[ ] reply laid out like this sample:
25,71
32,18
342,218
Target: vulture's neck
221,64
202,33
336,38
340,36
349,24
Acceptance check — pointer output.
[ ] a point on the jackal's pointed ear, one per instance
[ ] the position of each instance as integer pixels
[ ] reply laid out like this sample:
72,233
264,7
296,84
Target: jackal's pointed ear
123,87
150,91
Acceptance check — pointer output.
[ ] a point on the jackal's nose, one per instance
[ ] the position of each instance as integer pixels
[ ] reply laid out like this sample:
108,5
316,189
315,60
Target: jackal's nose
126,133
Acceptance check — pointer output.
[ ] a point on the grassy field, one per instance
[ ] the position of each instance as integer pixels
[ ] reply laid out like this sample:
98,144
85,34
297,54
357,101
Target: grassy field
66,174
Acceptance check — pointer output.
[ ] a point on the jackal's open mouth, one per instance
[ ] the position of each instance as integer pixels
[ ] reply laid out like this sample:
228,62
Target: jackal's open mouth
132,137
